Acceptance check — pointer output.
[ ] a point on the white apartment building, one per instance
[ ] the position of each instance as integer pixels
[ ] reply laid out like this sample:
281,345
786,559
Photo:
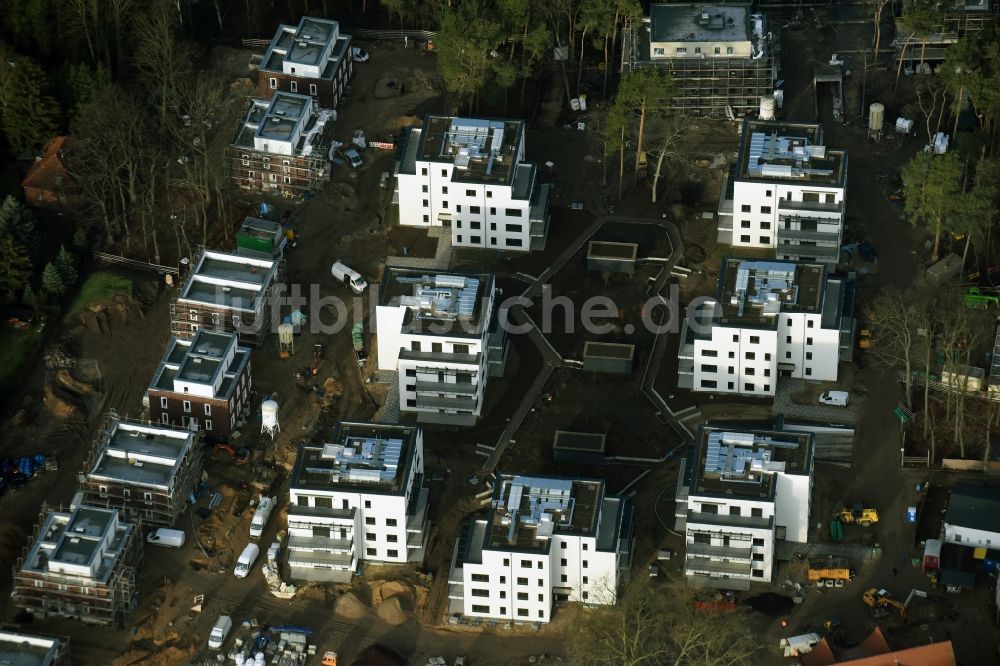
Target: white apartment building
741,493
440,334
769,320
359,498
544,541
17,649
471,175
787,191
973,516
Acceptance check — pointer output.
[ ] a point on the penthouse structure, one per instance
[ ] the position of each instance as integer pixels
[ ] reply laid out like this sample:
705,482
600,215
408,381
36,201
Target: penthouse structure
787,191
471,175
312,58
80,565
359,498
226,292
145,471
440,334
281,146
18,649
741,493
722,57
768,320
203,384
545,541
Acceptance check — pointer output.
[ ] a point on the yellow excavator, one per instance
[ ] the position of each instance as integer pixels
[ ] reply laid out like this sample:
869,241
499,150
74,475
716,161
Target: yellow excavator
880,599
865,516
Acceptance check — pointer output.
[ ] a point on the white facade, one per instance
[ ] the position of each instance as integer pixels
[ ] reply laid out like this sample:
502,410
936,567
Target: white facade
530,553
357,499
471,175
973,516
743,346
434,331
788,192
748,490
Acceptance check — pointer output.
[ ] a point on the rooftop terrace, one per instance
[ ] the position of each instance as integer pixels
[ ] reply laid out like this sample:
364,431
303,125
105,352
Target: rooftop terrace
787,151
212,359
453,303
141,454
88,538
229,280
306,44
366,457
482,151
527,511
753,293
744,463
699,23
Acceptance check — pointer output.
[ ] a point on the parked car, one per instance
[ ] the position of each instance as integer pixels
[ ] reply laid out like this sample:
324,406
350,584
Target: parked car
165,537
349,277
353,158
219,632
247,558
835,398
358,54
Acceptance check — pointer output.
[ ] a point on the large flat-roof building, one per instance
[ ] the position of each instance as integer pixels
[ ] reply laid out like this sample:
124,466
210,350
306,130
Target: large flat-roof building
768,320
358,498
20,649
545,540
440,334
145,471
787,191
471,174
723,58
741,492
202,384
281,146
227,292
81,565
312,58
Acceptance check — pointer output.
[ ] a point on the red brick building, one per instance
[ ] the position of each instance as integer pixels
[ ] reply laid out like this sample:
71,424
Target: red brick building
312,58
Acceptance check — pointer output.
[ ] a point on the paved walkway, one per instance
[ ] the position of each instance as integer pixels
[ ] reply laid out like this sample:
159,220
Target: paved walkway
442,255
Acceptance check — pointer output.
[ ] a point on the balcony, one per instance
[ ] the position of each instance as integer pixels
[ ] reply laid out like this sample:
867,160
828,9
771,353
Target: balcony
320,543
447,387
439,357
319,512
818,251
728,552
321,558
811,206
747,522
456,590
803,235
428,402
703,565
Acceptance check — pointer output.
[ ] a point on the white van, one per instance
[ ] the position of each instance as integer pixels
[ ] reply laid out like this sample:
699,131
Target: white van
348,276
219,632
835,398
247,558
165,537
260,516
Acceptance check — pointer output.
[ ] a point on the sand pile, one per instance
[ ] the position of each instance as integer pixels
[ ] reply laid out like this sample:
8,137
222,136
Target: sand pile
391,611
349,607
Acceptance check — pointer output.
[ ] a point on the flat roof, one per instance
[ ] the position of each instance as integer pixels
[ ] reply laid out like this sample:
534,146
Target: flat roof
88,536
699,23
744,463
753,293
362,456
608,350
974,506
18,649
140,454
438,303
481,150
527,510
202,360
258,228
230,280
612,250
787,151
579,441
305,44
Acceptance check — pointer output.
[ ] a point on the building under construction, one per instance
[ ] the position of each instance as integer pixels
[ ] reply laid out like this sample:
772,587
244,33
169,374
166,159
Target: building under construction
81,564
958,19
722,57
281,146
145,471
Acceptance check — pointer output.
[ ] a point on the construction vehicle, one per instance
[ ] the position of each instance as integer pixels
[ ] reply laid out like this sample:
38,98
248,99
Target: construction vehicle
239,456
830,572
330,658
881,600
865,338
865,516
834,630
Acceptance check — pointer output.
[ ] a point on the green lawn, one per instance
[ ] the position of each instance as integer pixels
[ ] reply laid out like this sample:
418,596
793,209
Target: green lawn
16,347
99,287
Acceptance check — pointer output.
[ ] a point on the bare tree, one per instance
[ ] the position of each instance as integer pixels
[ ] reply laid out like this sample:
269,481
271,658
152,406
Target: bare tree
896,319
671,144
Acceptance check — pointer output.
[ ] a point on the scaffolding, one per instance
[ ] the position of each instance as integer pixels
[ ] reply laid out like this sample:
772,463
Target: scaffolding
956,24
46,594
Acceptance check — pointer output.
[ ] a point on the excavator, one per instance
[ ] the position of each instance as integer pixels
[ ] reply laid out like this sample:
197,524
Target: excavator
865,516
880,599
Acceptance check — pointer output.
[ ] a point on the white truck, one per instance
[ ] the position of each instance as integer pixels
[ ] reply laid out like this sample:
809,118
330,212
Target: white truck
260,516
349,276
219,632
247,558
166,537
835,398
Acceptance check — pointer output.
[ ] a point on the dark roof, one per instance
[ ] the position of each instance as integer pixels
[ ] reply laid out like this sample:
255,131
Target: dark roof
974,506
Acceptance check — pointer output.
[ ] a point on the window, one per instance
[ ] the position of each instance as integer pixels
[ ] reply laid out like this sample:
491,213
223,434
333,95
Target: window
958,538
697,49
514,242
444,204
369,520
562,544
514,228
522,581
586,595
758,542
788,354
503,593
758,557
765,210
208,424
751,356
426,219
745,239
426,203
187,405
809,356
371,552
503,579
293,86
765,225
392,553
734,510
767,356
562,562
541,583
809,341
208,410
312,89
273,82
767,372
788,339
444,190
522,596
765,240
681,50
475,240
390,522
475,210
736,338
164,418
522,612
585,564
745,208
729,50
391,538
756,512
732,369
708,383
757,573
506,562
513,212
479,592
809,323
368,504
729,385
744,224
748,386
480,609
480,578
444,172
755,339
541,597
423,188
562,578
525,564
750,371
709,368
423,172
767,193
163,402
658,50
710,353
538,565
718,50
809,372
370,536
586,580
732,354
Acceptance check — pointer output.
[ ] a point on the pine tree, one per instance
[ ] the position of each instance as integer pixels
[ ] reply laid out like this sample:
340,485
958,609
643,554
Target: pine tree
15,266
52,284
29,298
28,116
18,222
66,266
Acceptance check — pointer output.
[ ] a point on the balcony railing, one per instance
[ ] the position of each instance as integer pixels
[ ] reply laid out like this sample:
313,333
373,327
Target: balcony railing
749,522
447,387
804,235
729,552
439,357
818,206
703,565
447,403
320,543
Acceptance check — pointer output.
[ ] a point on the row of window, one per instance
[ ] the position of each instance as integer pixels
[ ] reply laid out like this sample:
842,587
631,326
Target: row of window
747,386
732,369
521,612
521,596
389,522
437,347
390,553
293,86
682,50
478,240
764,240
765,210
509,228
391,538
476,210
